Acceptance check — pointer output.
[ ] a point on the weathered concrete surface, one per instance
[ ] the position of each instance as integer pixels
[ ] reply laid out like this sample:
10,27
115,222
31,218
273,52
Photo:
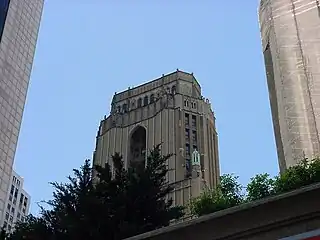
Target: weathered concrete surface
272,218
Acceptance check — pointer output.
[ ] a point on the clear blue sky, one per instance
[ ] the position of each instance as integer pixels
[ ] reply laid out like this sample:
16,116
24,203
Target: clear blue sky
87,51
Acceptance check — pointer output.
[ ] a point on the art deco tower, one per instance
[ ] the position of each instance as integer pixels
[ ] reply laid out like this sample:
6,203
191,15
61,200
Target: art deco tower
19,25
290,32
168,110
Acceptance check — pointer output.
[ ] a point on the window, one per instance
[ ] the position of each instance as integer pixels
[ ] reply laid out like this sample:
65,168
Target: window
18,182
152,98
133,104
173,90
145,101
194,136
186,119
5,224
21,197
186,103
7,215
194,121
14,201
12,189
193,105
12,210
125,108
16,193
187,150
139,102
118,109
9,207
18,216
10,197
188,167
187,134
11,219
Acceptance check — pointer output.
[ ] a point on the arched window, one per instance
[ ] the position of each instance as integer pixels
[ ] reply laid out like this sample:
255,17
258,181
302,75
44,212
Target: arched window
138,141
125,108
152,98
139,102
173,89
145,101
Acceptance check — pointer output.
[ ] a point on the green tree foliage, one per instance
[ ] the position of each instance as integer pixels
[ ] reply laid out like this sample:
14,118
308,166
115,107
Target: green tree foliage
227,194
107,204
303,174
261,186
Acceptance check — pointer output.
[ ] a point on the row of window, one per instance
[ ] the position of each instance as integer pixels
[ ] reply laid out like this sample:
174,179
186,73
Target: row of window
16,181
193,104
193,132
194,135
187,120
12,209
14,195
143,101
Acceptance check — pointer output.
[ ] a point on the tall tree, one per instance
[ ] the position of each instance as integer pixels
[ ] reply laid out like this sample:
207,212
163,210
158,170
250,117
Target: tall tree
106,204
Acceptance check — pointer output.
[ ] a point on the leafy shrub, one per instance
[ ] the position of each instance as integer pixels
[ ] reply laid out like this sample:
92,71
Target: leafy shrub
297,176
261,186
227,194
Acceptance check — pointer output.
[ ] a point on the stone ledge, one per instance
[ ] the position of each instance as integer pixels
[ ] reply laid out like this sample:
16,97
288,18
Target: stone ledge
259,215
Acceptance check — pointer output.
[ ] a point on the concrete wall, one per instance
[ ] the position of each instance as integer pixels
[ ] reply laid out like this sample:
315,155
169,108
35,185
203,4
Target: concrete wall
277,217
291,44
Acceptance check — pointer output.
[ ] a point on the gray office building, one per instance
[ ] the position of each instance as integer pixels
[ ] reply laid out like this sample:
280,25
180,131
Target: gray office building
19,25
290,33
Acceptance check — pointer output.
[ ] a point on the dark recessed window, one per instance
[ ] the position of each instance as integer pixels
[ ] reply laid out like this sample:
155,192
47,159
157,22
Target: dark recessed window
187,150
152,98
125,108
186,119
139,102
187,134
194,121
173,90
145,101
194,136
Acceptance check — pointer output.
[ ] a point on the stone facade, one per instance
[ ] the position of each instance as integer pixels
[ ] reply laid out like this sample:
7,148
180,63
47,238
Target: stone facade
290,33
19,26
169,110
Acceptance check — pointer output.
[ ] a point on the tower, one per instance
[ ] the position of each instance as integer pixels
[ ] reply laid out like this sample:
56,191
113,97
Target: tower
169,110
290,34
19,25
